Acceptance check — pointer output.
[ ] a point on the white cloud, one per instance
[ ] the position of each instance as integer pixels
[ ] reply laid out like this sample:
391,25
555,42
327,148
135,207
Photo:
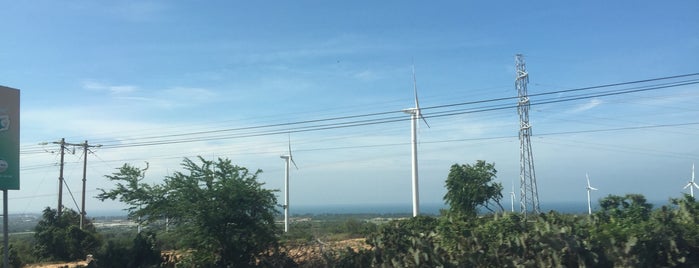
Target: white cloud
112,89
587,106
366,75
160,98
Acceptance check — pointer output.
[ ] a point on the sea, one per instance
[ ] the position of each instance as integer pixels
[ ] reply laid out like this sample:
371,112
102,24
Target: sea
425,209
402,209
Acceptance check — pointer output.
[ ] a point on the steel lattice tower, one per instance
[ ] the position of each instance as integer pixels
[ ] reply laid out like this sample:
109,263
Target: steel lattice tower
529,198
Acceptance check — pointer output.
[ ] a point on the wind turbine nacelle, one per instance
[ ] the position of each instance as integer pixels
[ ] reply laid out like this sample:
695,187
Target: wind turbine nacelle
409,110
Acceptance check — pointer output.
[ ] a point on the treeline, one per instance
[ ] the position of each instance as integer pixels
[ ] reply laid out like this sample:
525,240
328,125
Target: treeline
626,232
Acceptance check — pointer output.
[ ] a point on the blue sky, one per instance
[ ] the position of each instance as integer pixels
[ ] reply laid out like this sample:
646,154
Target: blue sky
117,73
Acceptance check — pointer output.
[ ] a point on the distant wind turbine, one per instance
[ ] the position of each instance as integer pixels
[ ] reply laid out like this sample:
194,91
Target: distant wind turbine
691,184
512,197
414,115
288,158
589,188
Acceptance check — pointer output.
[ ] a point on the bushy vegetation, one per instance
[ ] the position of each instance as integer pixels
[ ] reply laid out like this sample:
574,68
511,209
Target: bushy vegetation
140,252
625,232
59,236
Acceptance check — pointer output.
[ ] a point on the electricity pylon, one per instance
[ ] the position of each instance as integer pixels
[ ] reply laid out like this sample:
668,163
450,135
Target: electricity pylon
529,198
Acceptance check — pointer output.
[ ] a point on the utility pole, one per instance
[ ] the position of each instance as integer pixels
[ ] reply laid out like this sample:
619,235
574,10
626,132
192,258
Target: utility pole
86,148
59,208
529,197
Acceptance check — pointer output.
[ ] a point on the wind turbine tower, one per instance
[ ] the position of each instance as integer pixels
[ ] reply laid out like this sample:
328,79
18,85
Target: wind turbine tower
414,115
287,158
529,197
691,184
589,188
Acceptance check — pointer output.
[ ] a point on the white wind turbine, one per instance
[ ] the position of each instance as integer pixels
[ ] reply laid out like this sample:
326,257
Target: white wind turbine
287,158
512,197
589,188
414,115
691,184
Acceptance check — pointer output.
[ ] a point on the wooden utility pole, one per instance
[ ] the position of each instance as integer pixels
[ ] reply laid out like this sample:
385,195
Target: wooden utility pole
86,148
59,208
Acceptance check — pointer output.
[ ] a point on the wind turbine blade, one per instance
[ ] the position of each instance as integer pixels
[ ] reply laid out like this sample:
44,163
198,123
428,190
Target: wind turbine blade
593,188
417,102
291,157
423,120
588,180
688,185
695,185
293,162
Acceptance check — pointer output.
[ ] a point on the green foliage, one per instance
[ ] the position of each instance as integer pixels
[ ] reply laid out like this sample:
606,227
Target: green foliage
14,259
628,233
471,186
219,210
60,237
21,249
349,258
330,227
131,191
625,233
405,243
140,253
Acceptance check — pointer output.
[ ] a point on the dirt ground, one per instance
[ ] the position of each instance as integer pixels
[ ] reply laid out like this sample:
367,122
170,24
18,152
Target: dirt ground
57,265
300,253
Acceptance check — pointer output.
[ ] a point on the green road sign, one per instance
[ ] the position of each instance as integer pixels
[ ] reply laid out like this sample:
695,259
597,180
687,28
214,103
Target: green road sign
9,138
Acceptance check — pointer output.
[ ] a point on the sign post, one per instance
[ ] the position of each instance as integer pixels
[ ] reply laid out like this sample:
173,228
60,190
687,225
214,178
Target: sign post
9,154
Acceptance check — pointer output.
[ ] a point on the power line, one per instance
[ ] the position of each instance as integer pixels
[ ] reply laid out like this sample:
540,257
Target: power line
583,131
384,120
366,119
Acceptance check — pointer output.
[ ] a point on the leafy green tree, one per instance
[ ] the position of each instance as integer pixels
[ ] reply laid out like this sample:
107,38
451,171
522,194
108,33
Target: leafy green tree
131,191
219,209
471,186
60,237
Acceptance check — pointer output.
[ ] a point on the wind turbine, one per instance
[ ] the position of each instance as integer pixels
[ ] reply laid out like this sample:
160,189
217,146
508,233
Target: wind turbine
589,188
287,158
414,115
512,197
691,184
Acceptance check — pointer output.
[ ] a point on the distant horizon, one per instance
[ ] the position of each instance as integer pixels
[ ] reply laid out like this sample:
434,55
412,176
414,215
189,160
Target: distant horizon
393,208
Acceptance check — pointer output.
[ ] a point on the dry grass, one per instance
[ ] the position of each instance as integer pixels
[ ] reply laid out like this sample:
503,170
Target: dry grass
313,251
300,253
58,264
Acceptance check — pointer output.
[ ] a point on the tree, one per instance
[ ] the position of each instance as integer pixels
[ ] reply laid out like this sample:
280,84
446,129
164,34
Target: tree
132,191
632,207
60,237
471,186
140,253
220,209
